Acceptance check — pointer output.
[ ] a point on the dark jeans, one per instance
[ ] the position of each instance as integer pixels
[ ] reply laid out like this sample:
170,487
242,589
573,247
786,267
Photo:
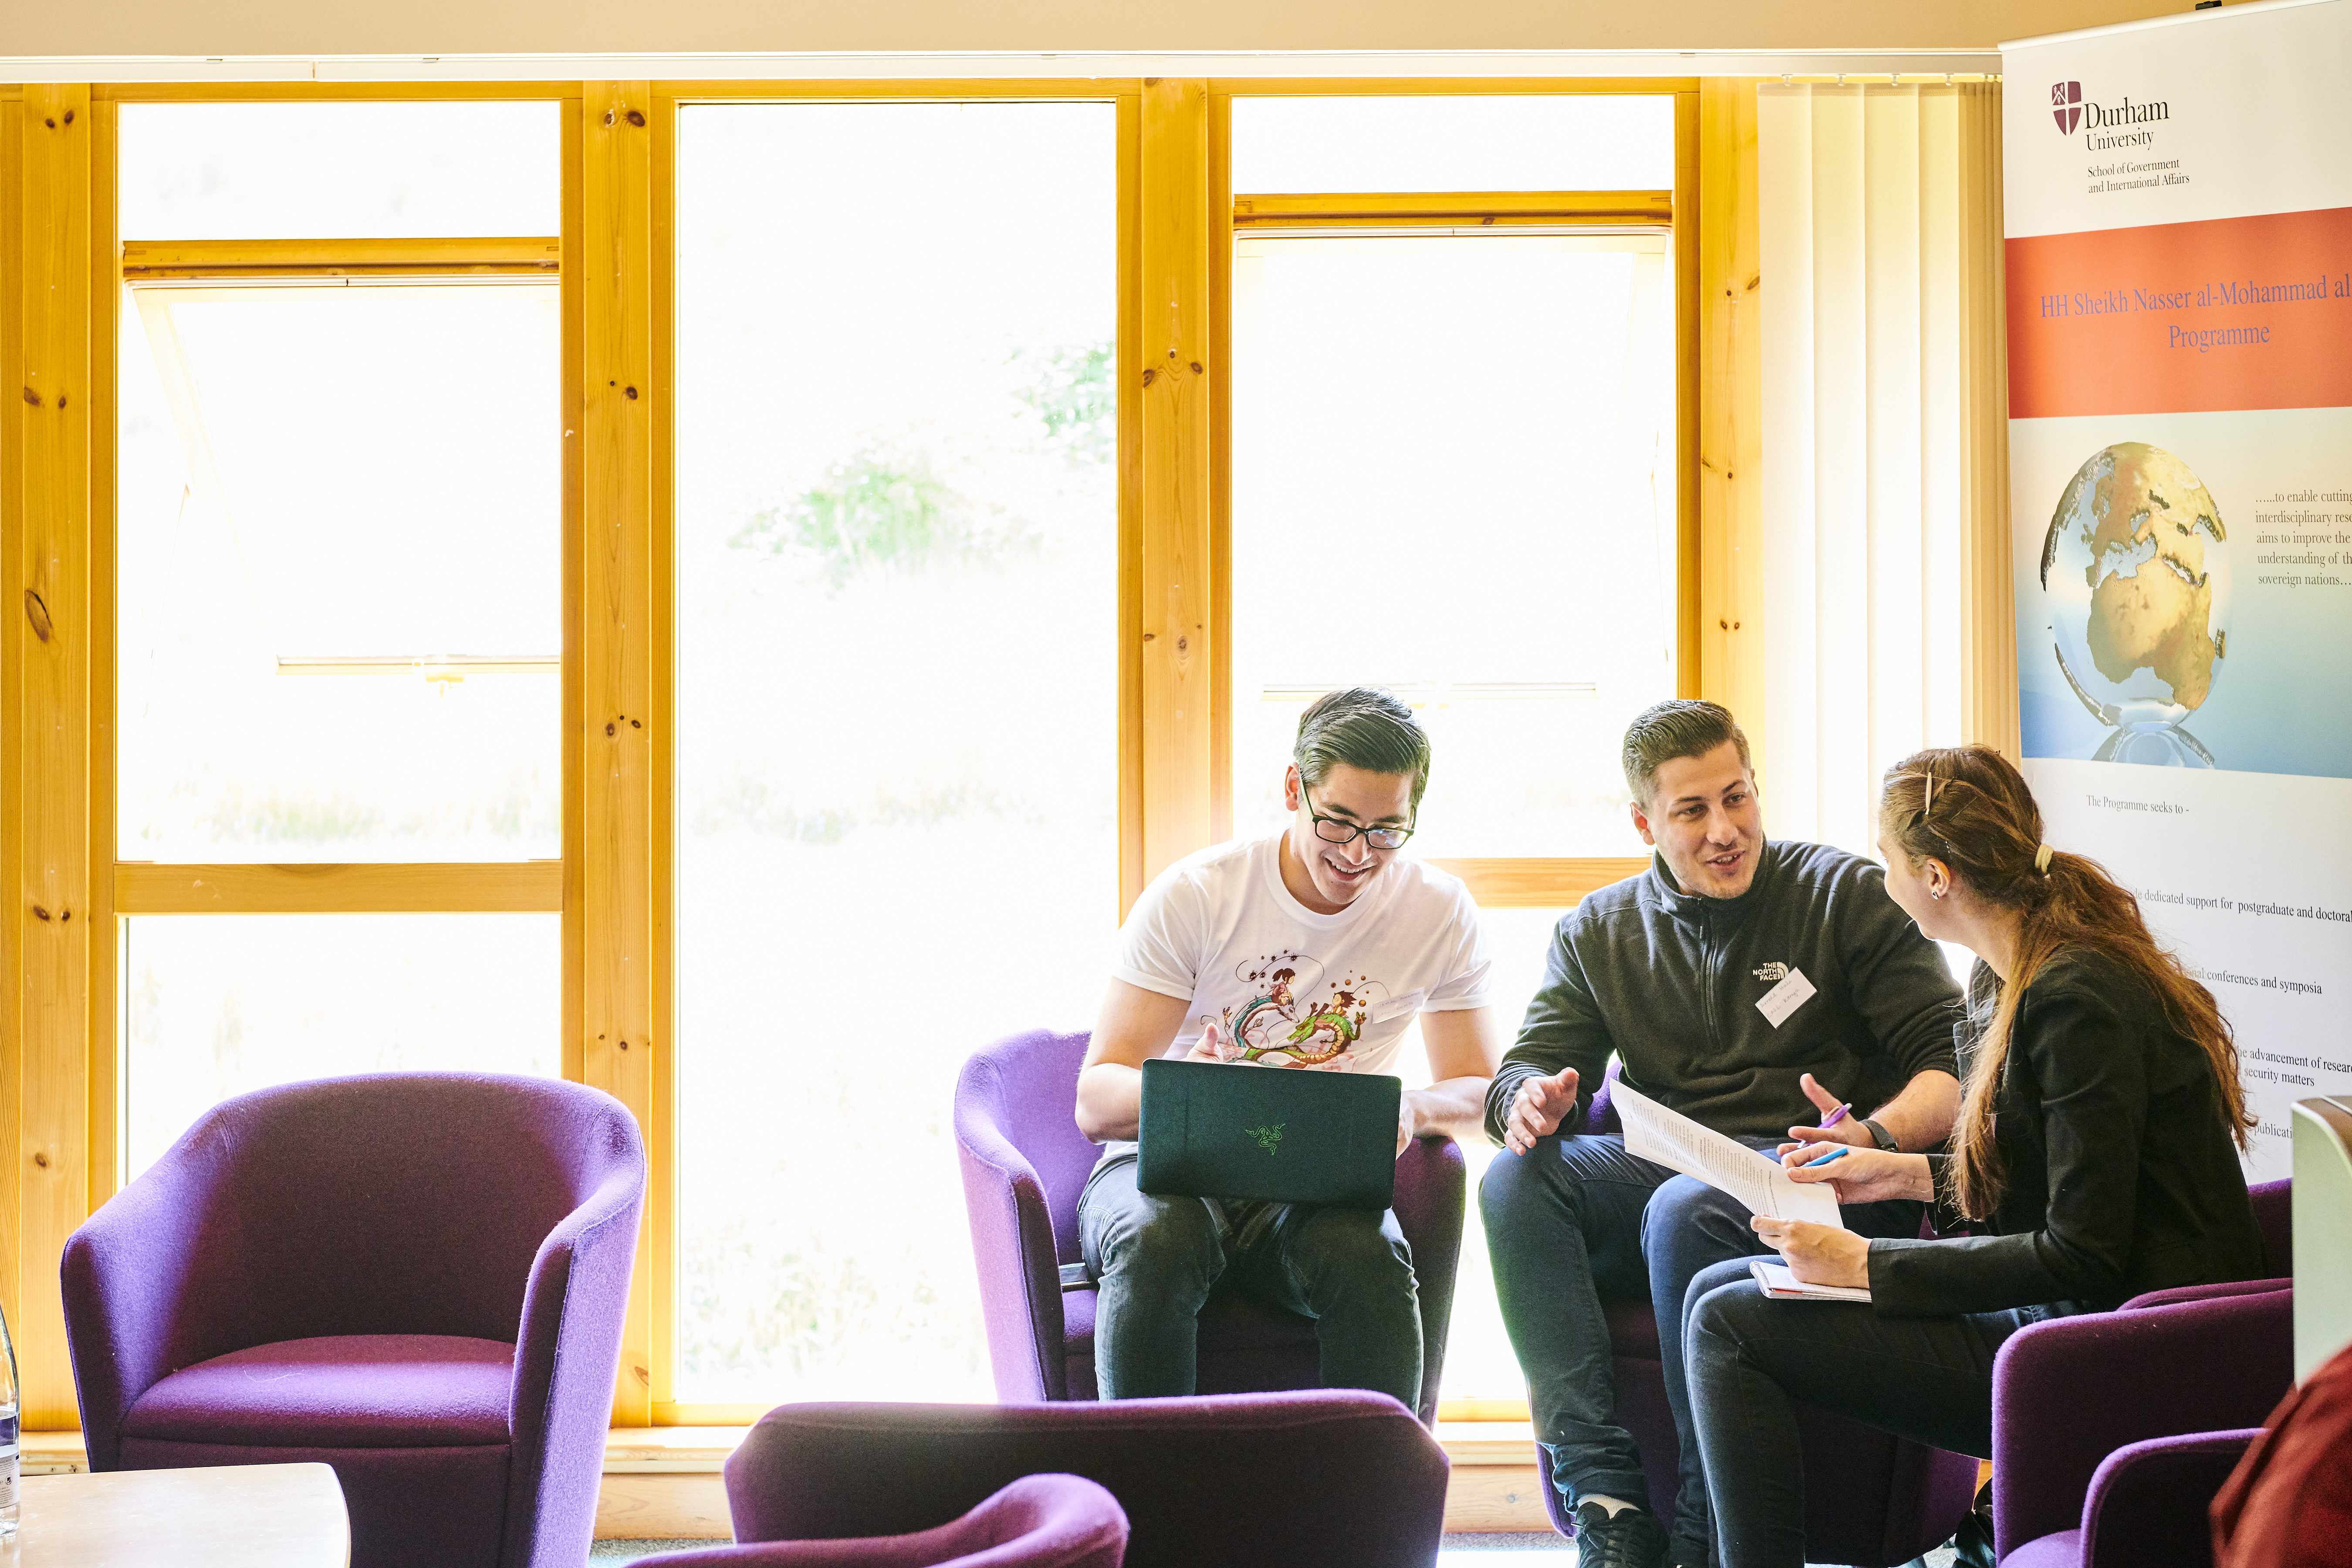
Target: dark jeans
1752,1359
1578,1219
1156,1259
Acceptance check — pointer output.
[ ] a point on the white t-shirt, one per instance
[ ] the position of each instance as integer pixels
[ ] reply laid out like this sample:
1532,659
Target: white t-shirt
1281,985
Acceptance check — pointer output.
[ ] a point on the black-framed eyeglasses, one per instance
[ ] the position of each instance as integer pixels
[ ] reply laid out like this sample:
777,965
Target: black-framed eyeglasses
1338,830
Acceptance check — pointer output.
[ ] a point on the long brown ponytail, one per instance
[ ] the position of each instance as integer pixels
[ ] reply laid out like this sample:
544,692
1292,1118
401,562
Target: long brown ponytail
1969,807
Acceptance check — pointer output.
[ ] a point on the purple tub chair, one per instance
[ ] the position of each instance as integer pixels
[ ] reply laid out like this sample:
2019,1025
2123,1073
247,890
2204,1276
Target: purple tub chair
1025,1162
2113,1432
416,1277
1244,1480
1892,1501
1038,1522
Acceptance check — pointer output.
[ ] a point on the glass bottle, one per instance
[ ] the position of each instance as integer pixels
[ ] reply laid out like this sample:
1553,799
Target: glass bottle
10,1457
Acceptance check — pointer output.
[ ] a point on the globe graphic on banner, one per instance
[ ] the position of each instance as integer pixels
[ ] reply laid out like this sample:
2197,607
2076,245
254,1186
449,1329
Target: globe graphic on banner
2136,571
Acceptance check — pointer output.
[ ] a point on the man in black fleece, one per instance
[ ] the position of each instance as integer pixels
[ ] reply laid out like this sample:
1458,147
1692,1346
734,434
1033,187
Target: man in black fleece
1755,987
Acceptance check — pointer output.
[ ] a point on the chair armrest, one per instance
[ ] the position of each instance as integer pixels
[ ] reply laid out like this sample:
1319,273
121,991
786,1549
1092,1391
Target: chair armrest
1431,1187
2068,1393
152,1282
1013,1248
858,1551
2148,1500
567,1352
2180,1293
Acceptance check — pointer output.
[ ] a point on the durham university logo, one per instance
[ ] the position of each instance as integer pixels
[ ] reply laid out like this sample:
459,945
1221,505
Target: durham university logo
2066,106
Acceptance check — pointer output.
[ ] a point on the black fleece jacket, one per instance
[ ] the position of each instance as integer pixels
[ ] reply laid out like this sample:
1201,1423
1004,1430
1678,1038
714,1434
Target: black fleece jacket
2121,1175
1669,983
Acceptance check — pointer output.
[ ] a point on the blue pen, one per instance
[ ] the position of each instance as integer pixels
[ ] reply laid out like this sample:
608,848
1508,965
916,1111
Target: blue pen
1834,1154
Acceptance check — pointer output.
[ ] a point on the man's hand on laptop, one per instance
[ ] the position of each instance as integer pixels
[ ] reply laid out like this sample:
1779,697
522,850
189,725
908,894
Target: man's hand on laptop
1215,1046
1538,1109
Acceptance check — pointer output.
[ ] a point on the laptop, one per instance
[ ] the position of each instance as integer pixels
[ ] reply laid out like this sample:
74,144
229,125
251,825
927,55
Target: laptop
1211,1130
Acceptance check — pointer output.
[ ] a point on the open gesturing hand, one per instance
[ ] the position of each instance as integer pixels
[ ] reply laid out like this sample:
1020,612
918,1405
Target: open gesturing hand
1848,1131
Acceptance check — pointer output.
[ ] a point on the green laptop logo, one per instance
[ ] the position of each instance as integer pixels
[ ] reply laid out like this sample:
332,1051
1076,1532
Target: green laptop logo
1268,1137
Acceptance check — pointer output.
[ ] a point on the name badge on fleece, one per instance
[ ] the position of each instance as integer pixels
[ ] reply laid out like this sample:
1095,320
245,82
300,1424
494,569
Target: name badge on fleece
1785,998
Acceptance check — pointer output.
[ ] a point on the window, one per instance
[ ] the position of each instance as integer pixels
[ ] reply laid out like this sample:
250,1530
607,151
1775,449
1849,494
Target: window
217,1007
341,571
897,579
338,570
1455,450
687,596
1426,505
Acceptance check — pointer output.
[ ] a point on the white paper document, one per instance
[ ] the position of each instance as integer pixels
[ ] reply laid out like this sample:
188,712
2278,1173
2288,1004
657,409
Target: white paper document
1781,1285
1756,1179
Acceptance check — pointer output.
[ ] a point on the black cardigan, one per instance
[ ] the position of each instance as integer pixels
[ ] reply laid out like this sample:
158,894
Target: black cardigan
2122,1177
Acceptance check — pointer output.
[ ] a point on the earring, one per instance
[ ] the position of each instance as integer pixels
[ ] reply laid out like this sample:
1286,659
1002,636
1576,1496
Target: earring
1934,892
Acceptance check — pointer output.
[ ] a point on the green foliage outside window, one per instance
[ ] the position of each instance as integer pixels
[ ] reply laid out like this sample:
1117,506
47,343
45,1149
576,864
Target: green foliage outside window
889,505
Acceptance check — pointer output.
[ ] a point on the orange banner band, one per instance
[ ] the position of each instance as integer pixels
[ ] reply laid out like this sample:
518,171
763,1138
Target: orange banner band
2246,312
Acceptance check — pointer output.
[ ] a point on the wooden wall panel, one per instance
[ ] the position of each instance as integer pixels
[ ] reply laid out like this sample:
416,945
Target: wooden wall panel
1179,665
619,401
1689,194
101,940
1988,594
1731,409
47,604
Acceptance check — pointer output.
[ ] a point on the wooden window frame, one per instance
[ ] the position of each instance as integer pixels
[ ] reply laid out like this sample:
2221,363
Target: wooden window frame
614,885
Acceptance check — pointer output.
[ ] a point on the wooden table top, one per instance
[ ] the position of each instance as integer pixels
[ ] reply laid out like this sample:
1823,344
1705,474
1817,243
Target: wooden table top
253,1516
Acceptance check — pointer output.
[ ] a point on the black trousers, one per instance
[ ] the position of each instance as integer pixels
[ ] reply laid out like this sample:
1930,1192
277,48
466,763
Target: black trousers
1751,1359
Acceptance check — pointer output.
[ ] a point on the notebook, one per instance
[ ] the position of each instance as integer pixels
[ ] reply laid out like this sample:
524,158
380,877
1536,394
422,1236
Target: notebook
1783,1286
1215,1130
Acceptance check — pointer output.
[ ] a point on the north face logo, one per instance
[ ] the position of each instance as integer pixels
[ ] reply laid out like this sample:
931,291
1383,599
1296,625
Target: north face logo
1773,971
2066,105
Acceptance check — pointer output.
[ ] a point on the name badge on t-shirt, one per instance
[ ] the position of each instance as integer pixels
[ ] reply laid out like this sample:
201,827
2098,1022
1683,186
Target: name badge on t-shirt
1785,998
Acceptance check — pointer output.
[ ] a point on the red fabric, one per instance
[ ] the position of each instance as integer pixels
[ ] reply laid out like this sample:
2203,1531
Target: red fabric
2289,1502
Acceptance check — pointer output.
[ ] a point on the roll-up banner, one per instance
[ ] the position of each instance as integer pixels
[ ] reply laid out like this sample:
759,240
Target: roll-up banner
2179,196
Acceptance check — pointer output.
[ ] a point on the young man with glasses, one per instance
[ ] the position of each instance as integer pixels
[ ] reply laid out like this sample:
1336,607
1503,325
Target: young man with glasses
1315,950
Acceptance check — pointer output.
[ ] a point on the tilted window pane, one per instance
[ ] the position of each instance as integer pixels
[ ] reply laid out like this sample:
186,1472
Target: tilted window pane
1554,142
896,545
367,170
1454,476
221,1004
340,531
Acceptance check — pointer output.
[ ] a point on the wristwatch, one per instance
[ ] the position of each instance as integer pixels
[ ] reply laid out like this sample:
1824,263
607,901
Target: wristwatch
1881,1136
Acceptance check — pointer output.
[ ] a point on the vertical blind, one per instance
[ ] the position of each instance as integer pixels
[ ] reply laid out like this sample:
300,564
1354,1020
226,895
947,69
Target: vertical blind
1878,237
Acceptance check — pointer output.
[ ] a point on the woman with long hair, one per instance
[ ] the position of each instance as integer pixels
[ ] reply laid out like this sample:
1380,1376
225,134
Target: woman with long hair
2096,1158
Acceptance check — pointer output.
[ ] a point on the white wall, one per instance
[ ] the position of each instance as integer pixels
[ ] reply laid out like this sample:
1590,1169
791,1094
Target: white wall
34,28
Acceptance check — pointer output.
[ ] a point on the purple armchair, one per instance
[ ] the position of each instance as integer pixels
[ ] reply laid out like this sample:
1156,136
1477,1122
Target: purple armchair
1038,1522
2111,1432
416,1277
1025,1162
1895,1499
1252,1481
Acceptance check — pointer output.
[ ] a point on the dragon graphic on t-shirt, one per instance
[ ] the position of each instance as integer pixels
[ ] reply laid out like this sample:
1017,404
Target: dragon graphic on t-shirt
1275,1028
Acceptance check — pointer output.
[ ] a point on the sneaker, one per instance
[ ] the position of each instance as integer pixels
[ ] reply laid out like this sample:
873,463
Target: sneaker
1631,1538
